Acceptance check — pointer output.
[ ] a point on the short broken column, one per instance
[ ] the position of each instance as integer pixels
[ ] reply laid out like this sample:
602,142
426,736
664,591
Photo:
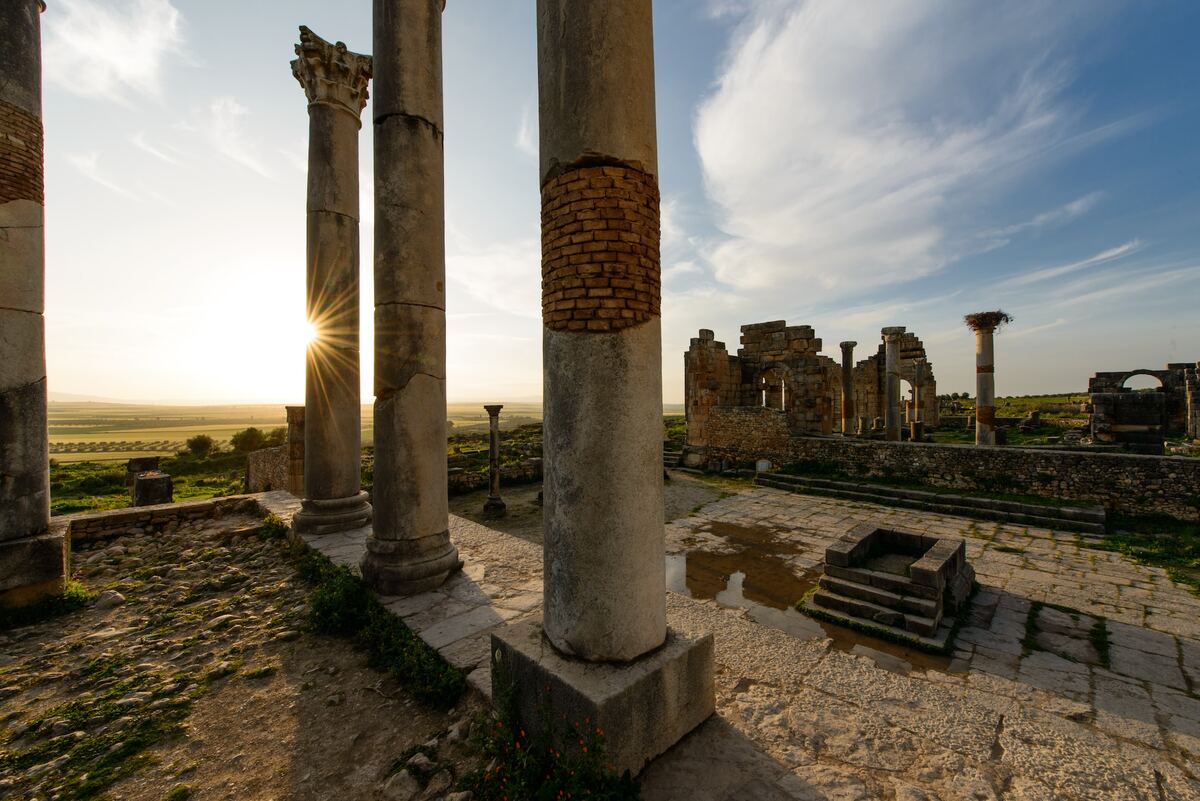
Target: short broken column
32,559
494,505
984,324
891,355
847,387
604,655
409,550
335,83
295,450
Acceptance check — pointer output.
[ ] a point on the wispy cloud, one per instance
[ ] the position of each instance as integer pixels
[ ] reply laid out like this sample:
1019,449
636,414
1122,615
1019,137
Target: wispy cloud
226,133
884,120
89,165
526,141
1021,333
1059,216
113,49
503,275
1047,273
139,141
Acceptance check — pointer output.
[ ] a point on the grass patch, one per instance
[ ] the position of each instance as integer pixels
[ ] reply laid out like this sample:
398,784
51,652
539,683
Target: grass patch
74,596
180,792
342,605
1164,542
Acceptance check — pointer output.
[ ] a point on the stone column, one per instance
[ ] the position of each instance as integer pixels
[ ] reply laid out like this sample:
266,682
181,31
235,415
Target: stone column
985,385
335,83
295,450
891,410
494,505
605,588
409,550
32,560
848,388
918,387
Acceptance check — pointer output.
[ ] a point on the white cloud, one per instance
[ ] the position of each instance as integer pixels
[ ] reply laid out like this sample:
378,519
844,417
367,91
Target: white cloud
1059,216
113,49
139,140
89,165
1047,273
842,139
526,141
226,133
503,275
1020,333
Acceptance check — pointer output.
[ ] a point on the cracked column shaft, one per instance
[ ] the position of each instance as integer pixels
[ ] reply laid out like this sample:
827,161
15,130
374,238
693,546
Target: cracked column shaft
985,387
32,561
409,550
891,354
602,349
848,388
335,83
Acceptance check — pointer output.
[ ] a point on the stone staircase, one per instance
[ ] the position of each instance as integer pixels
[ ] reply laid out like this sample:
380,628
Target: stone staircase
672,459
1087,519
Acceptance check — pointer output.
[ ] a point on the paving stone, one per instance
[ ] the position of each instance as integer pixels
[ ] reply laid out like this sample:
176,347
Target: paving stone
1073,648
1124,709
1141,639
1147,667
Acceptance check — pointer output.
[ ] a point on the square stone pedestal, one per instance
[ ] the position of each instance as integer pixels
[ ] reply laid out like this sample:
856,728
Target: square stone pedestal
644,707
33,567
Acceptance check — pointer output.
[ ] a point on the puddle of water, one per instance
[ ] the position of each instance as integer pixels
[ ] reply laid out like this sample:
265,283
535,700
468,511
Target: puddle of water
756,577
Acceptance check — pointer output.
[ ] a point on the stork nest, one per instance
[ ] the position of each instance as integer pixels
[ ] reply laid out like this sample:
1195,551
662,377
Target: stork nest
988,319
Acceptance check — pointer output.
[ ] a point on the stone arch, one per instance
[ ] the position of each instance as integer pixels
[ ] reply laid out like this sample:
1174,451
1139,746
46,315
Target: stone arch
1153,374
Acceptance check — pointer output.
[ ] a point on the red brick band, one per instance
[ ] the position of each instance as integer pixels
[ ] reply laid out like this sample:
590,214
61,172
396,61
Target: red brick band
986,415
21,171
600,256
985,368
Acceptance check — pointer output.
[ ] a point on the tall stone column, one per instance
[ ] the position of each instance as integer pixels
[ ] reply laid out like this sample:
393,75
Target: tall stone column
918,388
32,560
605,589
848,388
494,505
295,450
984,324
409,550
335,83
891,355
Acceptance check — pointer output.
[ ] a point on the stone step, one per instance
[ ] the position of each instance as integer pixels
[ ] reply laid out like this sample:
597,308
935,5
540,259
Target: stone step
874,613
909,604
938,642
1085,519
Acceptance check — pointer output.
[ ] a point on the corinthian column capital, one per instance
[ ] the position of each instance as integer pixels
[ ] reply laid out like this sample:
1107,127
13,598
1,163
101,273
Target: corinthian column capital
331,74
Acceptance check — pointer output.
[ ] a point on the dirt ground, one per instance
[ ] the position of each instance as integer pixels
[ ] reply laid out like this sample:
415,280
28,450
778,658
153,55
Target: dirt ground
200,676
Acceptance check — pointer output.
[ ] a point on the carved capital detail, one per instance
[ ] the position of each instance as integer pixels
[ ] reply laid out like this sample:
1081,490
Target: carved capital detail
331,74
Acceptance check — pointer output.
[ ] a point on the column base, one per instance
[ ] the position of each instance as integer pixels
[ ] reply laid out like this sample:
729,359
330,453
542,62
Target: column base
33,567
644,707
494,506
333,515
409,567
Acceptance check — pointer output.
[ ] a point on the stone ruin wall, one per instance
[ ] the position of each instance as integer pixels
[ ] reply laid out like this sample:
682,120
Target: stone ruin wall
1140,419
1123,483
267,469
780,368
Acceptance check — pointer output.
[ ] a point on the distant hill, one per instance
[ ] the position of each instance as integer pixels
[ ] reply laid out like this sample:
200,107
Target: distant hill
70,397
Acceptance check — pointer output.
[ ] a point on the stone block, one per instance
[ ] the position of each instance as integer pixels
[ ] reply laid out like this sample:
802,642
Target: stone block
31,567
643,707
152,488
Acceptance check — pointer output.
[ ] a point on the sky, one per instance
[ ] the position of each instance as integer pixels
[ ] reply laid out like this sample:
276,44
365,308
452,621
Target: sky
847,166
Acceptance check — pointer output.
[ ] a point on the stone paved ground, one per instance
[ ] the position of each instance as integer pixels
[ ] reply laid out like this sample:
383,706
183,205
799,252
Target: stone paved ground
1022,711
201,627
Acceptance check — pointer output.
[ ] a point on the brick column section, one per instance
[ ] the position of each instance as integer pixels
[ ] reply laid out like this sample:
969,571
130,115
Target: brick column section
985,387
335,84
848,387
409,550
494,505
32,560
891,409
295,450
602,353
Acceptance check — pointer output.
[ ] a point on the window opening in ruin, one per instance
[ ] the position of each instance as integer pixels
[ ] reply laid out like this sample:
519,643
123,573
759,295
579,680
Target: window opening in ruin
1142,383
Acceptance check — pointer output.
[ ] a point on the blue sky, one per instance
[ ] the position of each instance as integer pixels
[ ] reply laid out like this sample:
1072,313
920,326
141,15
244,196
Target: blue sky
843,165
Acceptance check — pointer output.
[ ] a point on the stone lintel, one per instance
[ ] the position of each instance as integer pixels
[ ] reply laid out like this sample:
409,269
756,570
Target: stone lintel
33,567
643,707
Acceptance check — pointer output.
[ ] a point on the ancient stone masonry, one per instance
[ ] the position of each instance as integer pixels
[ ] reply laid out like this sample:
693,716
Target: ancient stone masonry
335,83
409,550
495,504
32,555
614,662
780,369
1138,421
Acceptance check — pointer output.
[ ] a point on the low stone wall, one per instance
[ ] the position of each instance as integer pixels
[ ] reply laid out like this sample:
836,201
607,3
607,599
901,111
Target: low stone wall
267,469
525,473
1122,483
101,525
747,430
